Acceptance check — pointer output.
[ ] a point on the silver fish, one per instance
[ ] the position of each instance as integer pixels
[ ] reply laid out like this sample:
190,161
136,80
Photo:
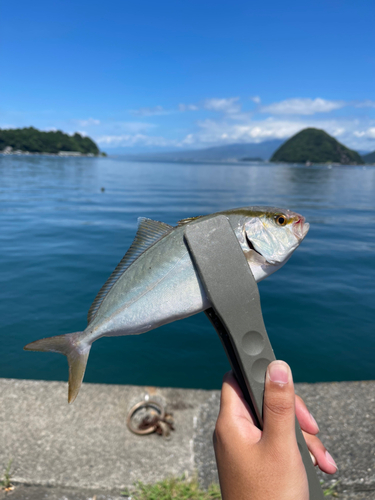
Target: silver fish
156,282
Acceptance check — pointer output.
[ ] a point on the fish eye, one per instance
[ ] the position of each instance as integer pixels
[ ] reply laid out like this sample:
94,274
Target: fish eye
280,220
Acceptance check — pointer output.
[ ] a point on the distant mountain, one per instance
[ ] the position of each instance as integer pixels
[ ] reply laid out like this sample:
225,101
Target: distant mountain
362,152
230,152
32,140
369,158
315,146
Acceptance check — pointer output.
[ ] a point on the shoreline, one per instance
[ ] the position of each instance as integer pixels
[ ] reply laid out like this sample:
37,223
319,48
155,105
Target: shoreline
61,154
233,161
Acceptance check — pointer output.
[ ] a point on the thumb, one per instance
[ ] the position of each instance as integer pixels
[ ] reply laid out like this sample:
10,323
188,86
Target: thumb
278,405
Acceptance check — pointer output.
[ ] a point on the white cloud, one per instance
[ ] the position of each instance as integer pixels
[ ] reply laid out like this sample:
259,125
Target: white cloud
189,140
228,105
302,106
227,123
230,128
338,131
129,140
215,132
159,110
369,133
155,111
81,132
212,131
365,104
187,107
87,123
232,106
131,127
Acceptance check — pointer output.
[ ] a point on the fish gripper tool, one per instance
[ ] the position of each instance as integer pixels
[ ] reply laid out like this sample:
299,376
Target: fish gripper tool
236,315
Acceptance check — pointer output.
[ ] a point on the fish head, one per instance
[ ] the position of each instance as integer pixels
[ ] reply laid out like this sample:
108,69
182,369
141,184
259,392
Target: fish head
268,237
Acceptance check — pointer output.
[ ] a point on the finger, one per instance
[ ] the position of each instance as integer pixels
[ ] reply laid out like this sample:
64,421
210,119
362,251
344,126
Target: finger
306,421
232,402
278,406
235,418
323,458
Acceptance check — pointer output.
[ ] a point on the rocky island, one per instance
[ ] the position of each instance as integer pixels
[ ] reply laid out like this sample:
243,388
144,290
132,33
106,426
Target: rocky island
31,140
312,145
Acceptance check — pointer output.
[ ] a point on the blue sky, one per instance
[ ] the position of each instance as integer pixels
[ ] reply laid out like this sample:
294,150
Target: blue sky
158,75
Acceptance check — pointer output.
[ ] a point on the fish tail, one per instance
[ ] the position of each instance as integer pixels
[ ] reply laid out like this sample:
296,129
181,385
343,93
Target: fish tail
74,349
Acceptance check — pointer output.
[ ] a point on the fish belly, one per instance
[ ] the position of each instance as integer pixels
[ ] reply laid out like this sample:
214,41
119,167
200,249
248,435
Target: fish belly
175,297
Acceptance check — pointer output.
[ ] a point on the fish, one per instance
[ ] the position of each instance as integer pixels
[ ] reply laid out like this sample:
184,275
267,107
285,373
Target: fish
156,282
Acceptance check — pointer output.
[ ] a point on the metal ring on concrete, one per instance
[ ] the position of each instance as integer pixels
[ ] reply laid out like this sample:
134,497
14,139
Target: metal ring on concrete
139,406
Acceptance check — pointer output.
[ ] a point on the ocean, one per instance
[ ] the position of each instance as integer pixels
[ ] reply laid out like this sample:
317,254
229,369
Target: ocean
67,222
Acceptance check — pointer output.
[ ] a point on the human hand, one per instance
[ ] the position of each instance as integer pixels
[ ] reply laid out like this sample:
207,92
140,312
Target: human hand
265,465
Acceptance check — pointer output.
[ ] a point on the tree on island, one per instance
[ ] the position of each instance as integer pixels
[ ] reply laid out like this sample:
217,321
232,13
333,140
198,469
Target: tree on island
35,141
315,146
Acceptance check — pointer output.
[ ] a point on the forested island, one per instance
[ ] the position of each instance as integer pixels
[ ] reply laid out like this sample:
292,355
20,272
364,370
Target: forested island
312,145
32,140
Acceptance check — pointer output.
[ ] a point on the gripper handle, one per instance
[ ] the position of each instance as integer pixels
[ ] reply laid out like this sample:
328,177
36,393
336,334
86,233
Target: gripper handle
237,316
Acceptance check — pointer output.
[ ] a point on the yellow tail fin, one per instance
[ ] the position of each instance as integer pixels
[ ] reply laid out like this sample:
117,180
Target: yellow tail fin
76,352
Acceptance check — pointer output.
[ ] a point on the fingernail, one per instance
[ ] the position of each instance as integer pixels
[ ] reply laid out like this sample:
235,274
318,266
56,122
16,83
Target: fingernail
278,372
315,422
330,459
313,458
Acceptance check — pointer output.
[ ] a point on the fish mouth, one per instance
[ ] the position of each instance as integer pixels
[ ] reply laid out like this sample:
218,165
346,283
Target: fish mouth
301,228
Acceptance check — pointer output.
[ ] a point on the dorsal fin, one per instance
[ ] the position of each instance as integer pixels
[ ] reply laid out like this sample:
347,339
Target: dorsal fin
189,219
149,232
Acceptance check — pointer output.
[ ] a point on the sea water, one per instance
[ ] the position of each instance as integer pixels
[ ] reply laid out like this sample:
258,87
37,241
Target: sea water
65,223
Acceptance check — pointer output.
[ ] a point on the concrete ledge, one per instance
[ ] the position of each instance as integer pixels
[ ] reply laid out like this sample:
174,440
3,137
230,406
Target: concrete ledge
87,446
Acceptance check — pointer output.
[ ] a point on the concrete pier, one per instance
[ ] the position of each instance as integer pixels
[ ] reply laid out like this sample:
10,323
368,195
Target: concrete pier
85,450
